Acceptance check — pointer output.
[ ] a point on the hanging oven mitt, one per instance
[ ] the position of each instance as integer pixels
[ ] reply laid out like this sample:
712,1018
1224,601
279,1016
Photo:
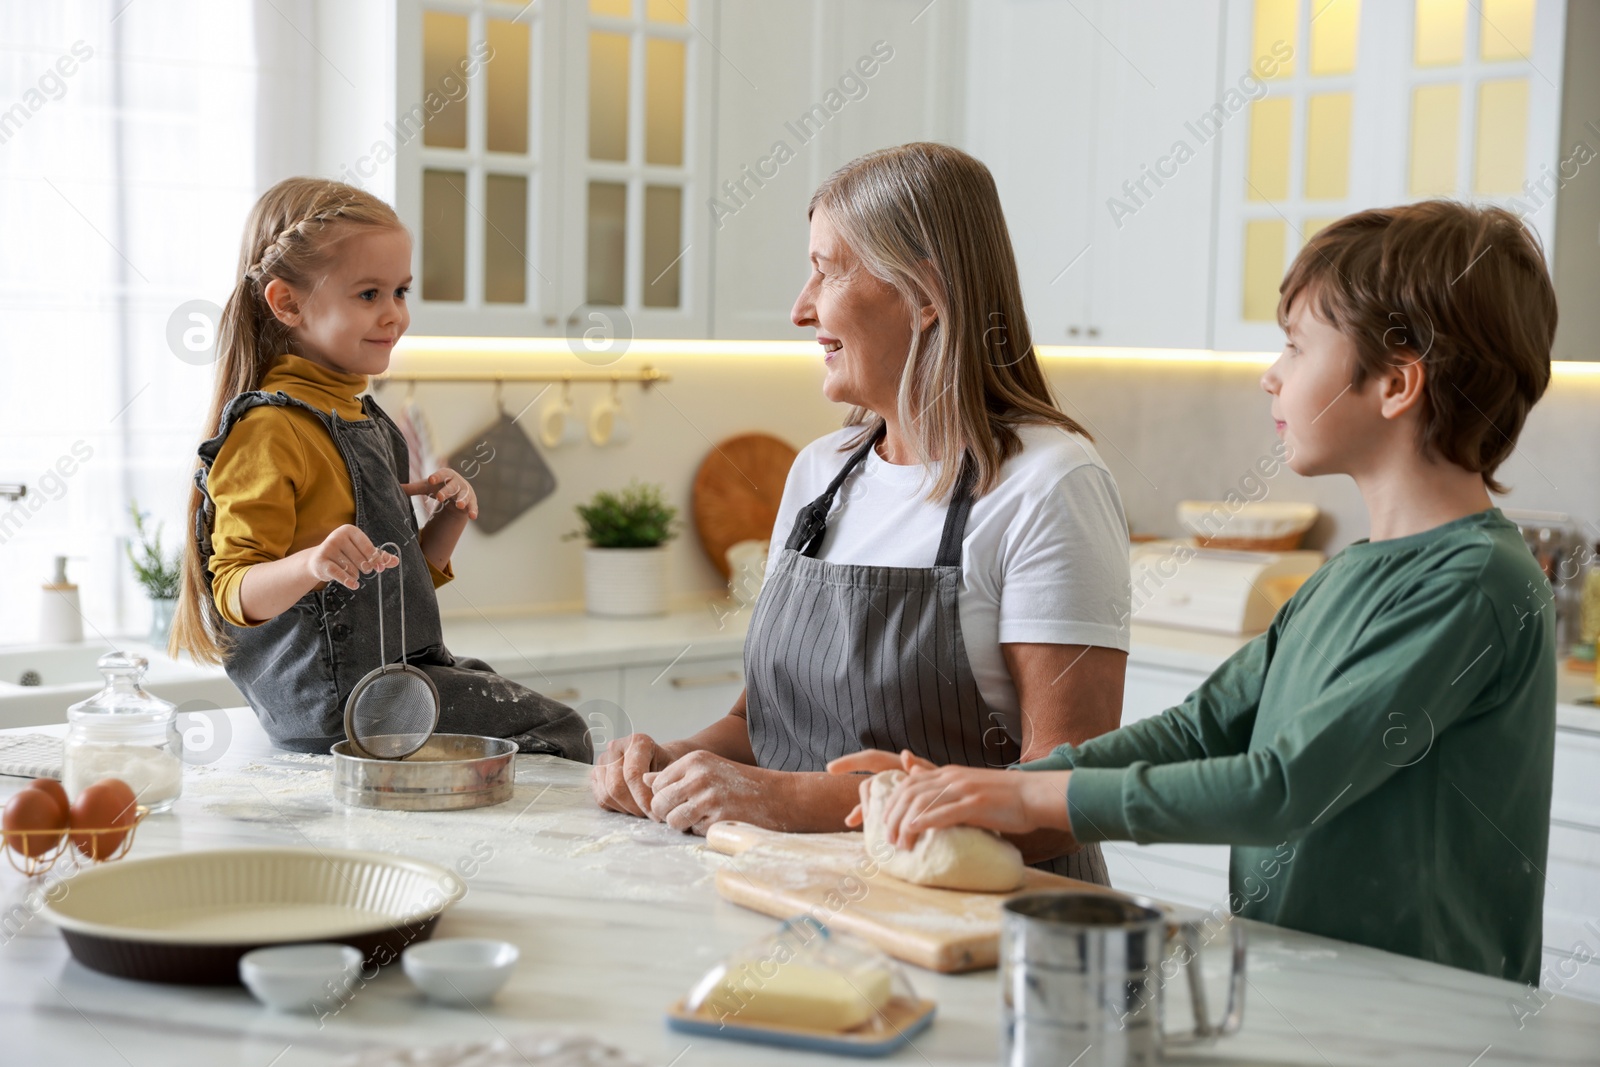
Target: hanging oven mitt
505,470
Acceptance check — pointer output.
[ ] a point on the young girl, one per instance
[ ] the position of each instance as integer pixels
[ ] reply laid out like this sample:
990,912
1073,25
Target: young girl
301,478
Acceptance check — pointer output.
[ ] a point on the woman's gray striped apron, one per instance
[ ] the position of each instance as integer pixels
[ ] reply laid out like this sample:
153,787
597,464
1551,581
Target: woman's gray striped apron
842,657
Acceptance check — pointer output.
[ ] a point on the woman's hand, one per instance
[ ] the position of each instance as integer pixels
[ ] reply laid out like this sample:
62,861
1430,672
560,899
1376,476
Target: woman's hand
703,788
448,486
617,777
344,556
1007,802
875,761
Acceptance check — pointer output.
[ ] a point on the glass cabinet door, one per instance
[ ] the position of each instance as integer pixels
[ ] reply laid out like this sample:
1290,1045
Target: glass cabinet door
1365,104
635,145
552,161
1293,157
472,150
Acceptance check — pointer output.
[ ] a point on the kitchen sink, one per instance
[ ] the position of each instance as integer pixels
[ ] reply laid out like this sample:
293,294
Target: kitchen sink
38,682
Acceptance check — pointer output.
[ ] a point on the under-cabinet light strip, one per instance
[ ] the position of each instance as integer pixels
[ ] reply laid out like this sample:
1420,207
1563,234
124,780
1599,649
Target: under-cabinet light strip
418,350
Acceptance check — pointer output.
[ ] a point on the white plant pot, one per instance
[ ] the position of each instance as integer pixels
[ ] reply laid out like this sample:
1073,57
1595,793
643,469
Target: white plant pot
625,581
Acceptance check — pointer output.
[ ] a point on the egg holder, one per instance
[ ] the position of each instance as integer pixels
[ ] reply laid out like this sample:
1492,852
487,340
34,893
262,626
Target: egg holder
34,866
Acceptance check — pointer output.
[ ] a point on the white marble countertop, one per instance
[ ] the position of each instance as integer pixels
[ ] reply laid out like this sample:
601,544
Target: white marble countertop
616,917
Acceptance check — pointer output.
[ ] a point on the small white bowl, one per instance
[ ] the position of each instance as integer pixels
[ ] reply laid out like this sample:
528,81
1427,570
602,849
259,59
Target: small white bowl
300,977
460,970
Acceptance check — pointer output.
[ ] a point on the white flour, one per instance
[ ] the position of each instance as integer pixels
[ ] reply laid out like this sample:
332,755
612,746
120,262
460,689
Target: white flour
550,835
529,1050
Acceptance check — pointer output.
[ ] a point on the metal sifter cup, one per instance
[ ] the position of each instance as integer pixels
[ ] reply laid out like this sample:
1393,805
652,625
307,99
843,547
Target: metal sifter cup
1082,977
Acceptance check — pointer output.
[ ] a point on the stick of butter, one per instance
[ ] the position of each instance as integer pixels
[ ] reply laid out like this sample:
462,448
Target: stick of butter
797,994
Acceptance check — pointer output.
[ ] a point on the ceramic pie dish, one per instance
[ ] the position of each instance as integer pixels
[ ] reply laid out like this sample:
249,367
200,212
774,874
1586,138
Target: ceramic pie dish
187,918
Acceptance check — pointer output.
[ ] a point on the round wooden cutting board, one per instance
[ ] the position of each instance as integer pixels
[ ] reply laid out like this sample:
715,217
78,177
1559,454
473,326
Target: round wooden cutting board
736,492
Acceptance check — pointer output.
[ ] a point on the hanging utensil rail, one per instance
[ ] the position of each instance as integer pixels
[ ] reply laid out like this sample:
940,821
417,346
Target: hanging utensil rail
646,376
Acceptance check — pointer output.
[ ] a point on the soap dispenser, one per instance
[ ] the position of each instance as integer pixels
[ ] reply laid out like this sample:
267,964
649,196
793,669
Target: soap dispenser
60,615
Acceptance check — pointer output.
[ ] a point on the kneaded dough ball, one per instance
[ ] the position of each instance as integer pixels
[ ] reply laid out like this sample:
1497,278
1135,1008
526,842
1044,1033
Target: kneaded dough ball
951,857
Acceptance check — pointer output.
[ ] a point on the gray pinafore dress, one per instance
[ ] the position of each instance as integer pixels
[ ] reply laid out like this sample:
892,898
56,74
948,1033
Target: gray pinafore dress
842,657
298,669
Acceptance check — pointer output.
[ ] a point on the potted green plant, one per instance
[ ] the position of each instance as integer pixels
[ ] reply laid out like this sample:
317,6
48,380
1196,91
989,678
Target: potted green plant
160,575
624,563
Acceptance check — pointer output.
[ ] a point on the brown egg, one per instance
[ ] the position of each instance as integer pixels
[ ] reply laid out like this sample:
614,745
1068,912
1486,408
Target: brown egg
53,787
107,805
33,822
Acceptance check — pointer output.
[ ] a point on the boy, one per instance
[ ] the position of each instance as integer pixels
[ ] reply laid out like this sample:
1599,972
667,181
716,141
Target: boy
1380,758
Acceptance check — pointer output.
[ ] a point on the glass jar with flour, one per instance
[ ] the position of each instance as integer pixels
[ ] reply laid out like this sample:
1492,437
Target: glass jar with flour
124,732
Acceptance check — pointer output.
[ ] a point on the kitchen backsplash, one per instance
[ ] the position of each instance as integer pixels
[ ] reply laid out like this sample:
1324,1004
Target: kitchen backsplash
1168,430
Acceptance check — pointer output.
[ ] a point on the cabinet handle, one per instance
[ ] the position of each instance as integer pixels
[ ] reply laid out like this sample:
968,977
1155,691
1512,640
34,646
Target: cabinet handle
1072,331
1094,331
565,695
703,680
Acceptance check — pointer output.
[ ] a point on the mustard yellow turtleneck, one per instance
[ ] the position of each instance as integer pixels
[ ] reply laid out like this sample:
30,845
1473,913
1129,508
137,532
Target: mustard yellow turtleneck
279,483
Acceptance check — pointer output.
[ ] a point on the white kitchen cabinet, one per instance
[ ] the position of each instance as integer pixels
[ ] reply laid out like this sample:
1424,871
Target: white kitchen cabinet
673,700
668,699
1183,874
637,150
552,161
570,687
596,695
1377,104
1147,272
1572,873
1178,874
1572,907
1030,118
802,89
1078,110
1149,689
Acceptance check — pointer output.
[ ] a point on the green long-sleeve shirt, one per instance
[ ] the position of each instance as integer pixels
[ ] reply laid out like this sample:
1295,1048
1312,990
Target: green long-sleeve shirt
1380,758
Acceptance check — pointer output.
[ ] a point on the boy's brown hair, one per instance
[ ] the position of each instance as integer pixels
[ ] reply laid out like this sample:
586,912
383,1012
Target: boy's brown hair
1462,288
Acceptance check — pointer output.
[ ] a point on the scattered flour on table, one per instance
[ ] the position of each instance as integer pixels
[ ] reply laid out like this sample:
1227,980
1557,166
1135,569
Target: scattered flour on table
599,843
532,1050
542,836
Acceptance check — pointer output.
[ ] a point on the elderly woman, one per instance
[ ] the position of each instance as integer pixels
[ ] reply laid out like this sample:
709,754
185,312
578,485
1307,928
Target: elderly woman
949,573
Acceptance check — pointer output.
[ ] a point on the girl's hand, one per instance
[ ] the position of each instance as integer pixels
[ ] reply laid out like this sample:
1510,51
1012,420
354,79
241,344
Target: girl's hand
345,555
446,485
1007,802
874,760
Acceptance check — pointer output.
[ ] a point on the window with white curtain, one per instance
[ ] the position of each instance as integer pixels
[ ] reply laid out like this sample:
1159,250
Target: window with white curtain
128,163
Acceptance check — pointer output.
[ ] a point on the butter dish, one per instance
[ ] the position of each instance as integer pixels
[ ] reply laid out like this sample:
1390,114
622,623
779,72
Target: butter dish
806,987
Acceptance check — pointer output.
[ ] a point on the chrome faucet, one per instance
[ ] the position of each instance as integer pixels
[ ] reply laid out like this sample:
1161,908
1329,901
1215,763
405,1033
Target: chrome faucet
12,492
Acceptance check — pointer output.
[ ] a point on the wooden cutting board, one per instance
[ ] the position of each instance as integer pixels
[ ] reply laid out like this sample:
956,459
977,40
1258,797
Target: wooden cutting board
830,877
737,491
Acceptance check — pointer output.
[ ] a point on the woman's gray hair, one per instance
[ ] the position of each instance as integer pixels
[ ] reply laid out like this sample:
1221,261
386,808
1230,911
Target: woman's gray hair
926,219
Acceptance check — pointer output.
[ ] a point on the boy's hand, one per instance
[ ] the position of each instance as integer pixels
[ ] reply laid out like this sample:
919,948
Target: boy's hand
446,485
874,760
1007,802
345,555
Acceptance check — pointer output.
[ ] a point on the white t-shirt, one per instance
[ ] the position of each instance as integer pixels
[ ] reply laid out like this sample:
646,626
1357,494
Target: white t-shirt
1044,559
